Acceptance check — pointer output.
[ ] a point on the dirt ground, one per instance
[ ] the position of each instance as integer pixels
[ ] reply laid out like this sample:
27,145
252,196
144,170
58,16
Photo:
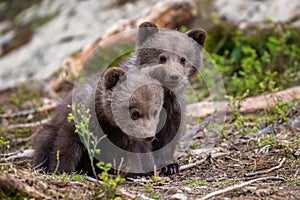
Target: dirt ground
271,160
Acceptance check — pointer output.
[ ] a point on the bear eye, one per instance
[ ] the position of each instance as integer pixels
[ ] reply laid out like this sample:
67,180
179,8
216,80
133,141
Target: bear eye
182,60
162,59
135,115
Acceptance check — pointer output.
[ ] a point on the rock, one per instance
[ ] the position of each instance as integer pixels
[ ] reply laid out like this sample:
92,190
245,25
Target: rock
295,124
75,25
170,15
5,39
179,197
258,12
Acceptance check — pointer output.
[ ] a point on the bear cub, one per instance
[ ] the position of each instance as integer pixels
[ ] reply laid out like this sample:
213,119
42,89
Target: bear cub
169,57
127,108
173,58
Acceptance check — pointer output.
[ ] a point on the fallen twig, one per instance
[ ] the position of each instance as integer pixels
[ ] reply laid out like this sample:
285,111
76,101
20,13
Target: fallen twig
28,153
238,186
28,125
267,130
191,165
22,113
294,122
93,180
267,170
200,127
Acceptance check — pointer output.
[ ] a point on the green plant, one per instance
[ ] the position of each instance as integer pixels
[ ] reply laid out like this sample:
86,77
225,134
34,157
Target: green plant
109,183
4,144
235,105
259,61
196,182
81,118
78,177
58,161
148,187
183,28
156,196
295,181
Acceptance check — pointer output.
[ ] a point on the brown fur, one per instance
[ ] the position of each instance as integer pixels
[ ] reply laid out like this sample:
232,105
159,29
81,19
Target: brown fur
172,58
172,73
59,134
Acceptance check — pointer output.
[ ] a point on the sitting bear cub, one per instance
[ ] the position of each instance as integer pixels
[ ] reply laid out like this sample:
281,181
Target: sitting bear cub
120,102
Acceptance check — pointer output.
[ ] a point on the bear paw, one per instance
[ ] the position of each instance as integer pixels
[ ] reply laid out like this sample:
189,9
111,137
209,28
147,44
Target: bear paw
170,169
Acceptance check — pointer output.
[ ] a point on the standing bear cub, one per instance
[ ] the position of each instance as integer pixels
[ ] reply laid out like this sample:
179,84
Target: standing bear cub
172,58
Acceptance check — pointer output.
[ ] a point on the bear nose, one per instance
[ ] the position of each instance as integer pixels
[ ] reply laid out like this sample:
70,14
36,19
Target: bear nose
174,76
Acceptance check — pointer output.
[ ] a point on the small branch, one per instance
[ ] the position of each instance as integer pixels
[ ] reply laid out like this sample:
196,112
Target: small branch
238,186
200,127
22,113
28,153
294,122
28,125
191,165
93,180
266,171
267,130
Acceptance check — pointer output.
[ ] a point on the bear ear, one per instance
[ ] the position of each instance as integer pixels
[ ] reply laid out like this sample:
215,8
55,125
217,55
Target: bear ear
146,29
199,35
112,76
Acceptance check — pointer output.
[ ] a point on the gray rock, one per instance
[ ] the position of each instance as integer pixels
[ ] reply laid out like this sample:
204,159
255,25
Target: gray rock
255,11
179,197
77,24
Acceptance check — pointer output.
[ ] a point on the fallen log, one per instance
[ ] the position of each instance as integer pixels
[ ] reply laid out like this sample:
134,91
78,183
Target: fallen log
248,105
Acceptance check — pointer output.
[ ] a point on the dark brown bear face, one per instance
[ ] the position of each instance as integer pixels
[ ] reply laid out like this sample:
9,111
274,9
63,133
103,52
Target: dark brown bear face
145,106
180,54
133,102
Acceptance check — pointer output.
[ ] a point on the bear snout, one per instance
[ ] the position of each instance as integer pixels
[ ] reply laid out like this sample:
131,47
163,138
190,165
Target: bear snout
174,76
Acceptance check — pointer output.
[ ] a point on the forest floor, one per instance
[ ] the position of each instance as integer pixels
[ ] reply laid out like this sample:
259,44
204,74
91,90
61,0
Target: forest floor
237,165
256,155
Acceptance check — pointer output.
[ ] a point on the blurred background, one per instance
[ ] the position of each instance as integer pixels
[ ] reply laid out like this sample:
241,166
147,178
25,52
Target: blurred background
36,36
